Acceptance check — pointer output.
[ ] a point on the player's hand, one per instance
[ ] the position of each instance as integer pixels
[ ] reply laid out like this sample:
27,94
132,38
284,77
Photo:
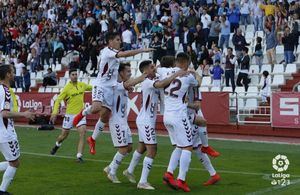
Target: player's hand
29,115
53,118
148,50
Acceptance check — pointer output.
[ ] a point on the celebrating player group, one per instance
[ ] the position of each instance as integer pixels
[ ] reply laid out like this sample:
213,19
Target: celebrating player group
172,84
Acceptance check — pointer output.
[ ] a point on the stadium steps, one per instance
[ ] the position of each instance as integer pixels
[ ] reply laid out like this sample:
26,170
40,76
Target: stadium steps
290,83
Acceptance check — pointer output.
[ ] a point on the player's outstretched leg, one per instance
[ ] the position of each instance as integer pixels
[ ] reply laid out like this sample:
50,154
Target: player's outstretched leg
10,169
173,164
205,147
214,177
64,134
184,163
92,139
80,148
147,165
129,172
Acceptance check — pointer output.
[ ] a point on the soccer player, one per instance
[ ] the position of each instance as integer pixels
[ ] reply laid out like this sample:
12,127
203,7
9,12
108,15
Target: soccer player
105,83
118,125
73,94
9,145
177,122
146,121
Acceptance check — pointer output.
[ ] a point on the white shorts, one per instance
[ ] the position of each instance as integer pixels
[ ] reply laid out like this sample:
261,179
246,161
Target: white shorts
147,134
10,150
179,128
120,133
68,121
104,95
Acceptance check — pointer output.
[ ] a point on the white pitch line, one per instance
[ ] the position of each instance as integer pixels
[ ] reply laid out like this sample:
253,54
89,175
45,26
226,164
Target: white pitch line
271,189
154,165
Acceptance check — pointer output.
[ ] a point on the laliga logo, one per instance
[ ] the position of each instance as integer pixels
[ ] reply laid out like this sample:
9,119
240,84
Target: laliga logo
280,163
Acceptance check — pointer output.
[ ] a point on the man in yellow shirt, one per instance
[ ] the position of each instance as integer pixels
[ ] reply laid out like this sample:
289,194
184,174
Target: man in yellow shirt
73,94
269,9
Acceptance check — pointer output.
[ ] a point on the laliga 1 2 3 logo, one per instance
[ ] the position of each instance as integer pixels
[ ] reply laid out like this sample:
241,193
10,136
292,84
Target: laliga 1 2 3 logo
280,164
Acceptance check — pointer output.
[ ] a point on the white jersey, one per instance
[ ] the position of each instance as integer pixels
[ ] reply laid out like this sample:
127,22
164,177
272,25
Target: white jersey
194,94
175,93
149,103
119,108
108,68
7,129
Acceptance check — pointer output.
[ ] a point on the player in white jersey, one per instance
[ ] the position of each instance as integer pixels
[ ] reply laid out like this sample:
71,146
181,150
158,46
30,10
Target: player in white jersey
177,122
104,85
9,145
146,121
194,112
118,125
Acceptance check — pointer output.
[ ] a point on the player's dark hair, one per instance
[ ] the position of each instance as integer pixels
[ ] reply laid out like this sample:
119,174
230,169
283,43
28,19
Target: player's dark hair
258,39
72,70
123,66
144,64
111,36
266,73
4,69
182,57
167,61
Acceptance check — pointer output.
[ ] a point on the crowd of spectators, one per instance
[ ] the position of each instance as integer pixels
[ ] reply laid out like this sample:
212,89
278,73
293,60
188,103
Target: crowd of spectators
39,33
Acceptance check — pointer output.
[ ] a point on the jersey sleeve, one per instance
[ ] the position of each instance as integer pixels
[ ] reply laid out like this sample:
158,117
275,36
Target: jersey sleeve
149,83
192,80
4,100
61,97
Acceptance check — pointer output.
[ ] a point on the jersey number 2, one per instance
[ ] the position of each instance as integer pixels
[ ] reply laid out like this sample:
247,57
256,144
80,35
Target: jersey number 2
176,87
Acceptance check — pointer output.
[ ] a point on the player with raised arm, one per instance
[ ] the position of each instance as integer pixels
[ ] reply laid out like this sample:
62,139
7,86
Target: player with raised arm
102,92
73,94
146,121
9,144
118,125
177,122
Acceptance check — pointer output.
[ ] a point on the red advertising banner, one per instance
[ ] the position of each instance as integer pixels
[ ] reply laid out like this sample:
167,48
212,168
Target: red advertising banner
219,101
285,109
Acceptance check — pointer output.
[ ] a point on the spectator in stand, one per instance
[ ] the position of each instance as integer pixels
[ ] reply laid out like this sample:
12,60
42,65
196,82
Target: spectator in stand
239,42
49,78
268,8
233,17
187,38
157,45
214,32
217,72
244,71
257,15
245,13
45,51
26,78
93,54
193,56
34,60
271,43
58,50
288,42
203,69
258,52
223,9
192,20
199,37
230,61
205,20
127,36
18,78
296,30
84,58
266,88
225,32
169,45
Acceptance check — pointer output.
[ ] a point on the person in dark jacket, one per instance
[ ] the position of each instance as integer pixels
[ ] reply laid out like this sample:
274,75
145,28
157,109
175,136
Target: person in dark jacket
187,38
239,42
169,45
230,61
288,43
93,54
157,45
84,57
26,78
244,72
199,36
49,78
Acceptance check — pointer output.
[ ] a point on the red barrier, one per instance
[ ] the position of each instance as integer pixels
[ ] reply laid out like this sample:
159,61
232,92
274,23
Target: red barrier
285,110
218,101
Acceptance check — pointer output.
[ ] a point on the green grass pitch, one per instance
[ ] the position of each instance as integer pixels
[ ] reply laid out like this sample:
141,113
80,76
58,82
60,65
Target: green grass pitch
244,167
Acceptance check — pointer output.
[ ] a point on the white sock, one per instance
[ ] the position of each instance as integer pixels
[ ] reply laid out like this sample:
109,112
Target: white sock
174,160
205,161
87,111
79,155
8,176
57,144
116,163
147,165
203,136
185,160
3,165
98,129
134,161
